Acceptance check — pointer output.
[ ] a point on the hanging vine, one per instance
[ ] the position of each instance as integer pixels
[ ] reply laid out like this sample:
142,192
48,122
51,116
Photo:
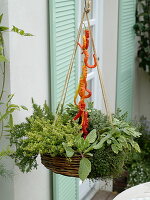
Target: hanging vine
142,30
6,108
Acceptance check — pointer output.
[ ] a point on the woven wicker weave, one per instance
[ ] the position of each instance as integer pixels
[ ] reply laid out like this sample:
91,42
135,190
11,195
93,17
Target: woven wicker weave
62,165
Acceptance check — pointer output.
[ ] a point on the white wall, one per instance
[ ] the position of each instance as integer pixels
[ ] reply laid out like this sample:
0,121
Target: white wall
141,94
110,40
29,78
6,184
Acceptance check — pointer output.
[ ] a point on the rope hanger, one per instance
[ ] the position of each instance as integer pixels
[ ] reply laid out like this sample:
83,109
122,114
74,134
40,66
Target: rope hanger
86,11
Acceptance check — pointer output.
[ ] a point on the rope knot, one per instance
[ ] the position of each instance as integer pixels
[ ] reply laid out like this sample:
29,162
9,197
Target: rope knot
87,6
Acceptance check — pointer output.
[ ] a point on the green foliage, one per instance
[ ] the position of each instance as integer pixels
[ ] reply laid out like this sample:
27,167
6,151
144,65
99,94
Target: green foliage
139,164
107,164
139,173
85,168
114,143
20,31
41,134
142,30
7,109
97,120
119,135
3,171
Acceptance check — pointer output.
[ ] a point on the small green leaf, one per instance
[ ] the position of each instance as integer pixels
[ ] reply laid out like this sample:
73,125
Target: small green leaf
21,32
114,148
108,141
91,136
103,140
28,34
4,116
69,150
84,168
11,110
3,58
89,154
10,96
1,17
15,29
135,146
3,28
13,106
23,107
11,121
81,144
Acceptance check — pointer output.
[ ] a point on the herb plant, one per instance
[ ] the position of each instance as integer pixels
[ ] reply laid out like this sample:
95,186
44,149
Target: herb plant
40,134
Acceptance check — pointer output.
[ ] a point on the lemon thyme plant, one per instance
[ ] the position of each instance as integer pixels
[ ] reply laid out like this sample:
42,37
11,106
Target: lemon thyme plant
6,108
40,135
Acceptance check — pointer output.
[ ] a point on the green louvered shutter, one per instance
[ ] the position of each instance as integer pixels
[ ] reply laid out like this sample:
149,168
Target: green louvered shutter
62,36
126,56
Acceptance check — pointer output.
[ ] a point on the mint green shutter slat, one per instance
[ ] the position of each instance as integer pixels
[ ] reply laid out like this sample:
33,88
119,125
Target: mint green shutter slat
65,188
62,37
126,56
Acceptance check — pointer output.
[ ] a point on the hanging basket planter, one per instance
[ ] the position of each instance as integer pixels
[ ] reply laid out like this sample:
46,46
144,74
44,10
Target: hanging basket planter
79,141
62,165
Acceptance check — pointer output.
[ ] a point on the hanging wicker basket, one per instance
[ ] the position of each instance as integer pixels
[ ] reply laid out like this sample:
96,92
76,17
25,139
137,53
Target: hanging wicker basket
62,165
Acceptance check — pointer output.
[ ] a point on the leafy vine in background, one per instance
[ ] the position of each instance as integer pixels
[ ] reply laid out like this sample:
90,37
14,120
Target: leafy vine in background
6,108
142,30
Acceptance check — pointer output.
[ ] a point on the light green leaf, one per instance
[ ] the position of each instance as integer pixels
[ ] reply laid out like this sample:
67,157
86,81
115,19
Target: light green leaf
3,28
21,32
91,136
23,107
4,116
10,96
1,17
11,121
13,106
89,154
3,58
103,140
135,146
114,148
81,144
69,150
15,29
108,141
28,34
84,168
119,145
11,110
